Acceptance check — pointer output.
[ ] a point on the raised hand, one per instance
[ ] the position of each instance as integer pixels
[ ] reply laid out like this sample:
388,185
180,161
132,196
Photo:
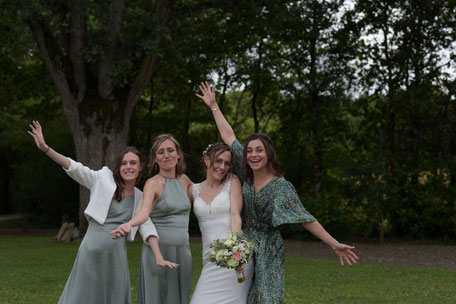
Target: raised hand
121,231
208,94
344,252
37,134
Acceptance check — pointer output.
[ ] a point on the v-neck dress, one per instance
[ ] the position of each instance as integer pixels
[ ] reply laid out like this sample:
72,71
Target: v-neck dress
100,273
275,204
163,285
217,284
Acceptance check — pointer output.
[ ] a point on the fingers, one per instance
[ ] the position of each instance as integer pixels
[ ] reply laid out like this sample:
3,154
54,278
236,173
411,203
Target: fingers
118,233
168,264
349,257
352,254
206,88
352,259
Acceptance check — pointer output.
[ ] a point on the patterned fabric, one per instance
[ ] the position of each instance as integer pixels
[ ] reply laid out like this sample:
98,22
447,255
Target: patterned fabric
275,204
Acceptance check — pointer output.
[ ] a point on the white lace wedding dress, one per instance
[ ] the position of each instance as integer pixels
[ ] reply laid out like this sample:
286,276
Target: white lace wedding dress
216,284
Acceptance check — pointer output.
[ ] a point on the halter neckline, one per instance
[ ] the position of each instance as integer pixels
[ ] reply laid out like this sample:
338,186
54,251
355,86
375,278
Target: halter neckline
165,176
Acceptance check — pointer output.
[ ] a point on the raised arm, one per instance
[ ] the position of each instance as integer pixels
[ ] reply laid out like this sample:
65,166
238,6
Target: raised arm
37,134
151,193
223,126
343,251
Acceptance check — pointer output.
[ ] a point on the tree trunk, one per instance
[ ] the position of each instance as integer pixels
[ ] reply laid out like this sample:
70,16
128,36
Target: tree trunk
97,111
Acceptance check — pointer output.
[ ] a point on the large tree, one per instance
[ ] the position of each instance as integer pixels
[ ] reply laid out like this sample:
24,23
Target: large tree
101,56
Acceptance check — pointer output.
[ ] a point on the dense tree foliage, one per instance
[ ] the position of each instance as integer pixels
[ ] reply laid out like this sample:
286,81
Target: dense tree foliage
358,96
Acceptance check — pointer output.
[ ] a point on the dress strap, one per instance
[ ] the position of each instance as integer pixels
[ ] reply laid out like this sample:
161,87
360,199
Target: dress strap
227,186
195,190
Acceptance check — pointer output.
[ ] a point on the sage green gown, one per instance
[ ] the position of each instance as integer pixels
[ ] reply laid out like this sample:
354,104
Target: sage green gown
100,273
275,204
163,285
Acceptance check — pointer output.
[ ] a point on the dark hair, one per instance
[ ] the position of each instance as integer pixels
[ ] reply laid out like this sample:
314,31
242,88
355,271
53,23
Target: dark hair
116,171
213,151
273,164
153,166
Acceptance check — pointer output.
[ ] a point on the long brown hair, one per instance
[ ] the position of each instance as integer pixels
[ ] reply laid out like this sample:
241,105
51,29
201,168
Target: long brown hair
153,166
273,164
213,151
116,171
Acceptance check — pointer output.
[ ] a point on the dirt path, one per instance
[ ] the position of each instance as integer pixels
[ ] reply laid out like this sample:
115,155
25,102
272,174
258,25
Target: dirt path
399,253
413,254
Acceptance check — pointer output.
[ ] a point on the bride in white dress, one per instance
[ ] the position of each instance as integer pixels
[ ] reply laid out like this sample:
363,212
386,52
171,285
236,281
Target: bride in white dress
217,203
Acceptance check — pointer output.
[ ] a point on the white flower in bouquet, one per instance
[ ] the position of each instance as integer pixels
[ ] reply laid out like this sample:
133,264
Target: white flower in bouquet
228,243
232,252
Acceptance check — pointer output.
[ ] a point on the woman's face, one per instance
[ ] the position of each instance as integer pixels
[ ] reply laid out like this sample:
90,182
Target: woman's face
130,167
166,156
256,155
220,167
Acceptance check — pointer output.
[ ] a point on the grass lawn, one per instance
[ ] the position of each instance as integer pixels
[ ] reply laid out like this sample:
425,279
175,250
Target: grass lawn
35,269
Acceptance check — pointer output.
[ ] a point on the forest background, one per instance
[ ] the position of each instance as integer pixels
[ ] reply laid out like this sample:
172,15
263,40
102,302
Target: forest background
359,98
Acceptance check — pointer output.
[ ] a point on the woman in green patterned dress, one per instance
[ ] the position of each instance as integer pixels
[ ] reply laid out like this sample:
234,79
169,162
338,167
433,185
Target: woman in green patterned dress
269,201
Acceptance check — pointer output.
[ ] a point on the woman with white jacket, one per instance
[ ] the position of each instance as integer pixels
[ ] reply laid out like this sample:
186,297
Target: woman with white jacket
100,273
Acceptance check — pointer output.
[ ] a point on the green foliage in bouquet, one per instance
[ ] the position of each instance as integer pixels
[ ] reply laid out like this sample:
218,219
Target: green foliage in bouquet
232,252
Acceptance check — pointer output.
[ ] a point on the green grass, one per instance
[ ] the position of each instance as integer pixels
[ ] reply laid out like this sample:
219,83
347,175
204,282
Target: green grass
35,269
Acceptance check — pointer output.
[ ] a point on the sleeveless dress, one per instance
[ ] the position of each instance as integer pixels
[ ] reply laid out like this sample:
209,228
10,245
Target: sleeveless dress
277,203
100,273
163,285
216,284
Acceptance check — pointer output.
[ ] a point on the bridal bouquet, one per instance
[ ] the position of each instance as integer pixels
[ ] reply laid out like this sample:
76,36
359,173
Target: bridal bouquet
234,252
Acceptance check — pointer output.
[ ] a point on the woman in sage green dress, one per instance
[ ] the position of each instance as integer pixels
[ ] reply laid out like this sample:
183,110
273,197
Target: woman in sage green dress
269,201
100,273
166,203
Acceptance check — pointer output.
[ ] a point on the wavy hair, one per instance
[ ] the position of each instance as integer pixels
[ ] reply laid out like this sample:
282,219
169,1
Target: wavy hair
273,164
153,166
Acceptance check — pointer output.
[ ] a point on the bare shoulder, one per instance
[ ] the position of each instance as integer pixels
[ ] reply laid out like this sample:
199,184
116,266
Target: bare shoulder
185,181
153,183
234,179
235,182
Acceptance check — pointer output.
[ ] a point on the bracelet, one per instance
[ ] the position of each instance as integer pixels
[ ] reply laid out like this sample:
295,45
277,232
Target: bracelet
214,109
336,246
46,150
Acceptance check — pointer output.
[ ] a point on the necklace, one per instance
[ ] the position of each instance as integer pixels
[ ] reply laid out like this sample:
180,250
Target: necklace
262,182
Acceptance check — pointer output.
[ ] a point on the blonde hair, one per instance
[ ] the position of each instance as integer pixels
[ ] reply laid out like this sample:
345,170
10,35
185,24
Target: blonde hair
153,166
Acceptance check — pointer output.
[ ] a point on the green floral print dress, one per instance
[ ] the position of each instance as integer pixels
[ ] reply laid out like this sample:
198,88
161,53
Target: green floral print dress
275,204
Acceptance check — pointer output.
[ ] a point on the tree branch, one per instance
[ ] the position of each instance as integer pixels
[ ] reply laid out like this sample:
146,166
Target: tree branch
54,67
117,7
78,35
162,12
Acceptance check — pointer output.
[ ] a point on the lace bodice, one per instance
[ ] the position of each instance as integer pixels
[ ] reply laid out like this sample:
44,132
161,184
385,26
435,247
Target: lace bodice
213,217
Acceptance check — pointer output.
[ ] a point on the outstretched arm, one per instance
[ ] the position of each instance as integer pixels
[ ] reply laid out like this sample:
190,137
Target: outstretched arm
342,250
37,134
150,192
153,242
223,126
